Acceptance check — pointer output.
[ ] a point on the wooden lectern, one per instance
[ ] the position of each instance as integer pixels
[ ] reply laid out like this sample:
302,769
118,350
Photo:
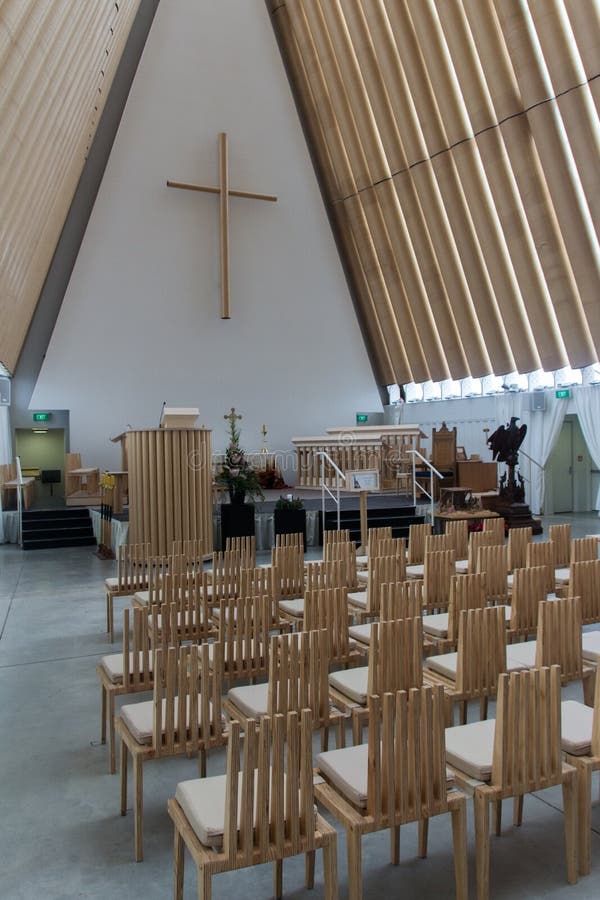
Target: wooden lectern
170,487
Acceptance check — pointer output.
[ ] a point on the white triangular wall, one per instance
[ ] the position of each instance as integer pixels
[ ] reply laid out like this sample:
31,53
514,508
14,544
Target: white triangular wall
140,321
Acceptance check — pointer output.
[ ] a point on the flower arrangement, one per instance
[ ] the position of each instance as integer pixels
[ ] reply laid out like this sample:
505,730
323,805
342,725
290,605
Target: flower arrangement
238,476
289,502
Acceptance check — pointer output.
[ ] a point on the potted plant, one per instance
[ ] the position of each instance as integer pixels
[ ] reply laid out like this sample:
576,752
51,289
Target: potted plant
241,481
290,516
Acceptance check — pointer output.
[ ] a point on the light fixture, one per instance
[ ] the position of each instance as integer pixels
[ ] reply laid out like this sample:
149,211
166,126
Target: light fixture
40,430
515,382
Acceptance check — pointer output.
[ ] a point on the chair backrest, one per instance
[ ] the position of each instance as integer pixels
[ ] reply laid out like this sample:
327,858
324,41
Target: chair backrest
479,539
407,756
559,637
493,561
527,754
298,673
382,570
184,613
395,656
595,751
416,543
541,553
191,550
8,472
481,651
377,534
584,582
583,549
345,551
327,609
388,546
183,723
466,592
435,542
244,625
245,546
132,566
401,600
295,539
226,568
265,809
289,562
443,448
496,526
440,566
518,539
560,535
528,591
137,656
458,532
72,461
333,536
260,582
325,574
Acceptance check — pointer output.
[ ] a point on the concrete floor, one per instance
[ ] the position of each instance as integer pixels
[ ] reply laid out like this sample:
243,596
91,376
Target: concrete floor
61,835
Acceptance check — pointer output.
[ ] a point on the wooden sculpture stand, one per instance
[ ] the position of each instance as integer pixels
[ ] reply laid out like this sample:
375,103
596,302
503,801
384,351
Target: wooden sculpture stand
509,502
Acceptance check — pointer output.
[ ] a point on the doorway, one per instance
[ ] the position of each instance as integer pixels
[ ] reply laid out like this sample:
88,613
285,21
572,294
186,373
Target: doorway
43,451
561,462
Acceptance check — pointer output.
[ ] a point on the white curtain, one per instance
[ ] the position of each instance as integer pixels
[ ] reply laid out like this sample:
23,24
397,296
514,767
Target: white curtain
5,454
543,429
587,406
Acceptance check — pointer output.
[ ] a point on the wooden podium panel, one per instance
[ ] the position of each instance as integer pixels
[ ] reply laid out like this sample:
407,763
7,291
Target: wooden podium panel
170,487
477,475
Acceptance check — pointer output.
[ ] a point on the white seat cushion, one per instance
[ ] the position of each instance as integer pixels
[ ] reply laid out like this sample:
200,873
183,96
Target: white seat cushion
113,665
361,633
521,655
292,607
590,646
415,571
436,625
112,583
358,598
576,727
562,575
251,699
510,580
362,560
352,683
470,748
142,597
446,664
461,566
363,577
139,717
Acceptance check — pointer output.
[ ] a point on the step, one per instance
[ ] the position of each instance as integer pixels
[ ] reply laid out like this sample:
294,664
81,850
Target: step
41,531
49,543
36,515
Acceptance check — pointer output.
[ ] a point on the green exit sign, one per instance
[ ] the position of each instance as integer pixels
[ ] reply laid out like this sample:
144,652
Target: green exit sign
41,417
361,418
563,395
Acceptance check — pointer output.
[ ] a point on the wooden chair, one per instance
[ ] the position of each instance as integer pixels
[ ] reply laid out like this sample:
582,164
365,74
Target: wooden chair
580,742
541,553
245,546
80,480
335,536
318,576
327,608
256,814
224,574
364,605
472,672
395,663
440,566
528,591
9,485
132,576
398,777
398,600
384,546
185,616
374,536
495,525
458,532
584,549
191,550
477,539
298,668
128,672
416,543
346,552
585,583
244,625
295,539
466,592
518,539
517,753
177,721
264,581
493,561
289,562
560,536
434,542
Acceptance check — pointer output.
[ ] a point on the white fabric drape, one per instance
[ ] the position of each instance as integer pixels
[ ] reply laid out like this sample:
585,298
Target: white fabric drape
5,453
542,433
587,405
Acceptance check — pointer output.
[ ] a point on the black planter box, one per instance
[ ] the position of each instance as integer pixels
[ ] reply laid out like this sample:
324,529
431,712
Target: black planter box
291,521
237,520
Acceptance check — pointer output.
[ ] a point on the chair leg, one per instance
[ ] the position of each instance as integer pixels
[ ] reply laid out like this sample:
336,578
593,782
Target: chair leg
340,733
202,763
354,864
518,809
482,844
138,809
497,817
178,864
324,738
277,878
103,714
395,845
423,837
204,883
570,790
483,708
459,838
463,712
123,767
110,614
112,762
330,869
309,870
584,814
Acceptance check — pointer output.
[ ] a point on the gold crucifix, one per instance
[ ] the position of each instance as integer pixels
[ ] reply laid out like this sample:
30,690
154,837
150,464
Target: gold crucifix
232,416
224,193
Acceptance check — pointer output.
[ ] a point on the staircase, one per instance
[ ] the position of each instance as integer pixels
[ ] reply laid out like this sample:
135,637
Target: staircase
45,528
400,518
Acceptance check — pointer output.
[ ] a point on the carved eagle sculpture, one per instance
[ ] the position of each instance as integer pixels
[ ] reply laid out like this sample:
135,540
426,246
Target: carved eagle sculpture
505,442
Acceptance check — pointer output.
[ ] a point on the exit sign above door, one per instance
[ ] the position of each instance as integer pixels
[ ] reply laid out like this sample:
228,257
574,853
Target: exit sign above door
42,417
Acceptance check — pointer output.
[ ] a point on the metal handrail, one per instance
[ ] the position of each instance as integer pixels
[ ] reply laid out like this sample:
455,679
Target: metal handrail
19,502
531,459
432,471
325,456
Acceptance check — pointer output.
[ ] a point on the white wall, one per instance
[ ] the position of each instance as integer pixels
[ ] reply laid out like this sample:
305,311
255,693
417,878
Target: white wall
140,321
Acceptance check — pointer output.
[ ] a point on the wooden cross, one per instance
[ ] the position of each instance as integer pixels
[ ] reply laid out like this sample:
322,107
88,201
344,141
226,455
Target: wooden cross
232,416
224,193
